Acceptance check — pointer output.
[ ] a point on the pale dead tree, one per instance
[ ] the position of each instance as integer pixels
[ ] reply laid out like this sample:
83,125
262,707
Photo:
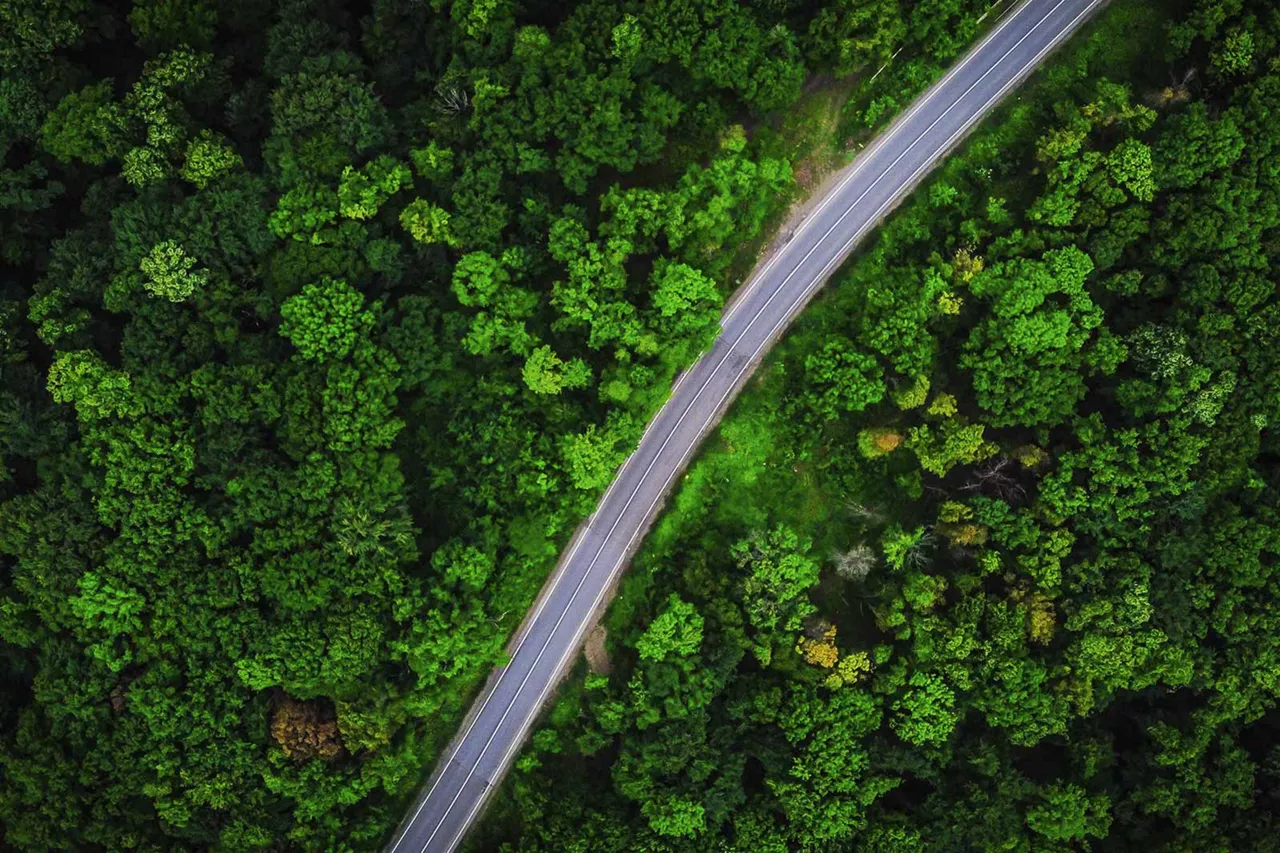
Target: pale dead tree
869,514
816,627
917,558
996,476
451,99
856,563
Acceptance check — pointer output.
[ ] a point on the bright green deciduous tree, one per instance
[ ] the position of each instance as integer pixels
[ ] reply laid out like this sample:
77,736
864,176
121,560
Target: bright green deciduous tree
1068,813
677,630
545,373
925,712
170,273
208,157
361,192
427,223
839,379
87,125
327,320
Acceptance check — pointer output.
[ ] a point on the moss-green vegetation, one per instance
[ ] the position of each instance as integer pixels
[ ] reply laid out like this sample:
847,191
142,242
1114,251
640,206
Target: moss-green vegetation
985,558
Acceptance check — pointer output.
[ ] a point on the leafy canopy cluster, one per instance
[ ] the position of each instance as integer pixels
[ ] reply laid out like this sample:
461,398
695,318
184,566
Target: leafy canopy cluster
987,560
321,328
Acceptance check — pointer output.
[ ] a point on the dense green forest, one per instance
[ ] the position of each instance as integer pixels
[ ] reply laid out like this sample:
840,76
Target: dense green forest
988,556
322,326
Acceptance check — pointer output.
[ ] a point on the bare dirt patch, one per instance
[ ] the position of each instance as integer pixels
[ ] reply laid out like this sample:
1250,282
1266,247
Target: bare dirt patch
595,651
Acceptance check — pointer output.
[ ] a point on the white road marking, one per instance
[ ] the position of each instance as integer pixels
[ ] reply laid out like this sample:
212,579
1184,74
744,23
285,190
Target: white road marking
784,319
866,157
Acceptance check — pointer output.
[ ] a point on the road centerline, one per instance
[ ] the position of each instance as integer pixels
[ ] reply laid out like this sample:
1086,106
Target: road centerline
728,362
702,388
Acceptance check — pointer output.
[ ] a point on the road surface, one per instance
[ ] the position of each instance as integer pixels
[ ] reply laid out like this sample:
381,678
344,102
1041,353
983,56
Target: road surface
879,178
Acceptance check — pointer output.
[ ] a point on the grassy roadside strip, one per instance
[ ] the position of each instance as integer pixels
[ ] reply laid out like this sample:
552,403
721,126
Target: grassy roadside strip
817,135
752,472
746,452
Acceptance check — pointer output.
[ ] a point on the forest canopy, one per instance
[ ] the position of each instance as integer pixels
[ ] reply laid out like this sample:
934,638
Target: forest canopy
987,557
322,326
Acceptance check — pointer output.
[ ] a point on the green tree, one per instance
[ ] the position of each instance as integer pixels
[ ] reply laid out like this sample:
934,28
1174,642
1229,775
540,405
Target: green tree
591,456
1067,813
925,712
87,125
840,379
677,630
166,24
1031,358
362,192
209,157
427,223
170,273
779,573
953,442
852,36
326,321
545,373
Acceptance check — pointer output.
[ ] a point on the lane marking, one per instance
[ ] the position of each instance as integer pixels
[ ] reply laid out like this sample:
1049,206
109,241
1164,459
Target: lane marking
706,384
865,157
786,317
542,603
746,292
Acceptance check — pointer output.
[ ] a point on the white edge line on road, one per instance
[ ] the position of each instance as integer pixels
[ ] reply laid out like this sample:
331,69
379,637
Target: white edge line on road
566,561
865,157
871,222
786,317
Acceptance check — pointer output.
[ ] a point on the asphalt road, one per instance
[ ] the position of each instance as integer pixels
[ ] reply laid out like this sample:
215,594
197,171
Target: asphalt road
879,178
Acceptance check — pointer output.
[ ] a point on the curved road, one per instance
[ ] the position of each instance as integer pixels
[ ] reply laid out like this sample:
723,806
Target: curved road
881,176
